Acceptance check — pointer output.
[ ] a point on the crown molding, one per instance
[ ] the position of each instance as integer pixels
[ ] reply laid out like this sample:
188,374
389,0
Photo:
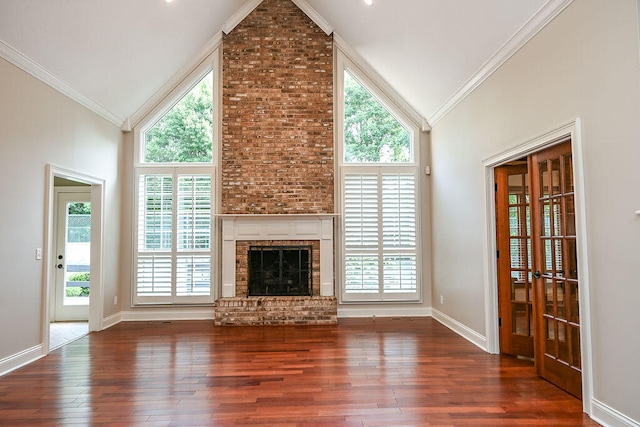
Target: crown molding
161,94
314,16
28,65
239,16
532,27
382,85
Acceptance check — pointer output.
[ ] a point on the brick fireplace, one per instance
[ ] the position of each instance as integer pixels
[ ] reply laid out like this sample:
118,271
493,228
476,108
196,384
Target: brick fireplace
277,159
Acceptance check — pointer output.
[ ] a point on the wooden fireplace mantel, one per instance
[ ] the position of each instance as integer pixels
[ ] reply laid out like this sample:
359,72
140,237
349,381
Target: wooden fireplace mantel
266,227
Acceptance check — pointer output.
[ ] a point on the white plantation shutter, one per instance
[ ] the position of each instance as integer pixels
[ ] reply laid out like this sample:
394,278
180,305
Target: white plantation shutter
193,275
194,212
173,254
155,218
362,273
194,235
400,273
399,232
155,208
399,211
380,217
154,275
361,212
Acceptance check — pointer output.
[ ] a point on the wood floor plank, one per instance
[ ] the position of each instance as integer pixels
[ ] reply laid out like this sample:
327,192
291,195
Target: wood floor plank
361,372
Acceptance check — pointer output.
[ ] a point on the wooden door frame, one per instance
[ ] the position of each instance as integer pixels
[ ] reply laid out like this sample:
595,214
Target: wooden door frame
96,285
570,130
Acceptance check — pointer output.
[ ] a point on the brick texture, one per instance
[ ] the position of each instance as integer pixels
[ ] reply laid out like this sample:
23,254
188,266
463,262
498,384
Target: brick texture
253,311
277,107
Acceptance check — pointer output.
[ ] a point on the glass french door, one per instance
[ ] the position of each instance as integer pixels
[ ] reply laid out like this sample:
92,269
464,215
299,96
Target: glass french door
557,342
72,256
515,289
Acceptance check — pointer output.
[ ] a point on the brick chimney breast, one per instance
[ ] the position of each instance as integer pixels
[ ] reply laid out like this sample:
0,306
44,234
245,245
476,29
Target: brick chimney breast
277,108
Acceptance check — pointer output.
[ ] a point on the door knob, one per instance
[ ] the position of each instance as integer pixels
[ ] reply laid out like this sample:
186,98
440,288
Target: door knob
59,266
537,275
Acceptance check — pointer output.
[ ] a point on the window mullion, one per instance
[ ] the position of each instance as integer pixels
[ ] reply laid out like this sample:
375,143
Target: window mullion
174,234
380,236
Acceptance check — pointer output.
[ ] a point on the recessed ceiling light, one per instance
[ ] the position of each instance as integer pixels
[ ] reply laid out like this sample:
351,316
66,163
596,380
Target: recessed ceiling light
368,2
168,1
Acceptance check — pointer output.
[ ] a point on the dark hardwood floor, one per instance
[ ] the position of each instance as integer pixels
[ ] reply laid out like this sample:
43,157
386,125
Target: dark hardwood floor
364,372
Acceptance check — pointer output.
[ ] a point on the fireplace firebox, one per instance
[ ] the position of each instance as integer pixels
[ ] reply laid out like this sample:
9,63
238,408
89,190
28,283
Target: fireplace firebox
280,271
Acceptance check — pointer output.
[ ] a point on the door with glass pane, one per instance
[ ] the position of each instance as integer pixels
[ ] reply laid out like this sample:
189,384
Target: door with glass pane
557,344
515,292
72,256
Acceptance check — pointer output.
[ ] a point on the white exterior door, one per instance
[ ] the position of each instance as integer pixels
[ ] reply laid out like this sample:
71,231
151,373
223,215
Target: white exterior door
72,255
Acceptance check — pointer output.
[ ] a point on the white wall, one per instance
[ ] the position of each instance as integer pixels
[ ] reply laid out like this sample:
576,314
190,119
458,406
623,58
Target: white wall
38,126
584,64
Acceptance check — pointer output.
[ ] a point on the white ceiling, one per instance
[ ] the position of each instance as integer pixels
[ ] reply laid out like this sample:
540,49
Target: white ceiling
115,55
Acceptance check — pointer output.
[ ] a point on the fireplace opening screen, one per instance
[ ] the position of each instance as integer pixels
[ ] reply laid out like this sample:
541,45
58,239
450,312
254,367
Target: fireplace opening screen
280,271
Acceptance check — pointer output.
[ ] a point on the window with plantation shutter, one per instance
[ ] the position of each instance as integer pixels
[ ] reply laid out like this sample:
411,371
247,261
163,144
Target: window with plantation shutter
379,196
174,168
173,237
380,234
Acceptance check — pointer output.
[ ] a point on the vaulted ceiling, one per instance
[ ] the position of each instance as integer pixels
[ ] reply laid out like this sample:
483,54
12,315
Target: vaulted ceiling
115,55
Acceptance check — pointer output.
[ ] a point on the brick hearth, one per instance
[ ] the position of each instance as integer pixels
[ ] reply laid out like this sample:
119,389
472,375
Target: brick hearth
253,311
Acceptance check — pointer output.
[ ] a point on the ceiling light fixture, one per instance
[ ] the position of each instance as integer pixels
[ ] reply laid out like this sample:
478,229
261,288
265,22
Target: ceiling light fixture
168,1
368,2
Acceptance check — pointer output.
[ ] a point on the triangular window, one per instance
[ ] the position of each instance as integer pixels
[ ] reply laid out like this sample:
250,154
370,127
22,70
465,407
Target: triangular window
371,133
184,133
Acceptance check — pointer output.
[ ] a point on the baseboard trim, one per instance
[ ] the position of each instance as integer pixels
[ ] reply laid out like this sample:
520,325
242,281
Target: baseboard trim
460,329
607,416
355,310
112,320
21,359
154,315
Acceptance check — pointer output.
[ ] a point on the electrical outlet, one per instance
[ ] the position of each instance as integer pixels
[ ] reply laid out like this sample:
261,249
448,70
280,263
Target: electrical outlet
441,299
115,300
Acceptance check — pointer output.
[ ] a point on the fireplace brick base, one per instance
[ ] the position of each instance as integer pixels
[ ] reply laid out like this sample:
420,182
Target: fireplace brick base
279,310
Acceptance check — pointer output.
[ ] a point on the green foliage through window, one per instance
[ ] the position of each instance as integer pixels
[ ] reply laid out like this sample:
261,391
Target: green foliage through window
77,291
184,133
79,277
371,133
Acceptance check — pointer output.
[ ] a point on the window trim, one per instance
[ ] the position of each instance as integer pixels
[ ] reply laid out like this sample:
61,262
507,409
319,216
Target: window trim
381,295
212,63
175,172
342,168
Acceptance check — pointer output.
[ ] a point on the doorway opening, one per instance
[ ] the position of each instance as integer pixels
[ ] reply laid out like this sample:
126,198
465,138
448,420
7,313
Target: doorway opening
538,279
72,272
537,283
73,257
